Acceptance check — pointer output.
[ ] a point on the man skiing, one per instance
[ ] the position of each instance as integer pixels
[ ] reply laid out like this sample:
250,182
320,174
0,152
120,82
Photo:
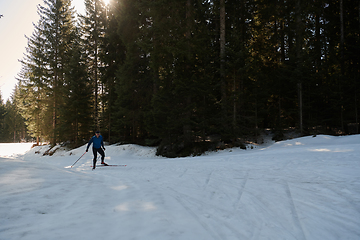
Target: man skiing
98,146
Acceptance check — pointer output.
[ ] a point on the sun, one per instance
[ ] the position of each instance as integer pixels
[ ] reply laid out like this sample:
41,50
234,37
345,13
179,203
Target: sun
106,2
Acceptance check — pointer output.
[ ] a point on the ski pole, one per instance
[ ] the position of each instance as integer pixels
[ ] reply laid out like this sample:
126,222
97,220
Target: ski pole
78,160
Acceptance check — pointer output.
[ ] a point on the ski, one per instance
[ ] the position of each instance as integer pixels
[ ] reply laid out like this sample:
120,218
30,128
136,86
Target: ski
111,165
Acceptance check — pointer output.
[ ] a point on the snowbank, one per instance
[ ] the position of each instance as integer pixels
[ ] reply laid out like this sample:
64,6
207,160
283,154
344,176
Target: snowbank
12,150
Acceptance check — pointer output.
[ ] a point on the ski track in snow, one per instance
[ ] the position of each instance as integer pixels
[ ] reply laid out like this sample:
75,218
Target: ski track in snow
303,189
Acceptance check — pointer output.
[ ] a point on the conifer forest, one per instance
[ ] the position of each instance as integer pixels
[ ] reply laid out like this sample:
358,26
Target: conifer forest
187,75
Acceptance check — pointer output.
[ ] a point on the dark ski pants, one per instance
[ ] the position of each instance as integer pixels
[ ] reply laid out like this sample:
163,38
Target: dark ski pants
98,150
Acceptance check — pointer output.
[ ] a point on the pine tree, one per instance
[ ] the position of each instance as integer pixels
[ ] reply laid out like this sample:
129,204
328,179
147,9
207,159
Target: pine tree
94,22
2,123
76,113
134,85
43,75
173,37
112,56
33,88
58,19
14,122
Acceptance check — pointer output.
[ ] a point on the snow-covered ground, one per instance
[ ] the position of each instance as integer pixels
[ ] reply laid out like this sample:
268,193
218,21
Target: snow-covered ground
305,188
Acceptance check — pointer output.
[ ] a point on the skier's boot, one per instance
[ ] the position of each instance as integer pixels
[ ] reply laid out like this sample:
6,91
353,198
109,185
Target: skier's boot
94,164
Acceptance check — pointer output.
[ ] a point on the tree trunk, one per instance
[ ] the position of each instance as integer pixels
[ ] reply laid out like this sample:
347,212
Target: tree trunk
299,62
282,33
300,92
342,42
342,39
96,69
234,95
224,116
222,53
317,37
189,22
356,89
55,84
76,129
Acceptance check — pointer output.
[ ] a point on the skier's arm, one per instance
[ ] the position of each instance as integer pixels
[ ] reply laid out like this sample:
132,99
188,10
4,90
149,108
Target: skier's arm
102,143
91,140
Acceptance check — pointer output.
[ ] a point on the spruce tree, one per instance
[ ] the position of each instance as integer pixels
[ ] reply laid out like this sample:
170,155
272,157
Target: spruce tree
174,38
45,68
93,23
33,87
133,80
2,123
58,17
14,122
112,56
76,114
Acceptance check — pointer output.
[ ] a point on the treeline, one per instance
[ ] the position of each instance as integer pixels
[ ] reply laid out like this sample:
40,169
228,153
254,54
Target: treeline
188,74
12,124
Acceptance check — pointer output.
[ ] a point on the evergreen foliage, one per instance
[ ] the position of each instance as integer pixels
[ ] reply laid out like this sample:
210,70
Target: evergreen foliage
191,75
2,115
54,77
12,124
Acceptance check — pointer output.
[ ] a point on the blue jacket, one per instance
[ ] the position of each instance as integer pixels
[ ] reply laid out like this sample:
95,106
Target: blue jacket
97,142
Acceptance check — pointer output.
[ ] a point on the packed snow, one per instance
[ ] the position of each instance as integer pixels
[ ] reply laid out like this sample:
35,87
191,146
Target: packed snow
305,188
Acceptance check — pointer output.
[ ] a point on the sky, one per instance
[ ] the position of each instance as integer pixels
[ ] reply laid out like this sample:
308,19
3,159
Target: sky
16,23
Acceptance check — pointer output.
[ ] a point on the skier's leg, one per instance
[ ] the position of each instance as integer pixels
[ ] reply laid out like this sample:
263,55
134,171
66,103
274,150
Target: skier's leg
101,151
95,156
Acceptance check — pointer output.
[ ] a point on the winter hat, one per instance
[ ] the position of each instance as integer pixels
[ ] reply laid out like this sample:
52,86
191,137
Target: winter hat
97,131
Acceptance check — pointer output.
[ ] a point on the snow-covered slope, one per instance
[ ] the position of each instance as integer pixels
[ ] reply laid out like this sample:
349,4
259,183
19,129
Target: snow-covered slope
305,188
